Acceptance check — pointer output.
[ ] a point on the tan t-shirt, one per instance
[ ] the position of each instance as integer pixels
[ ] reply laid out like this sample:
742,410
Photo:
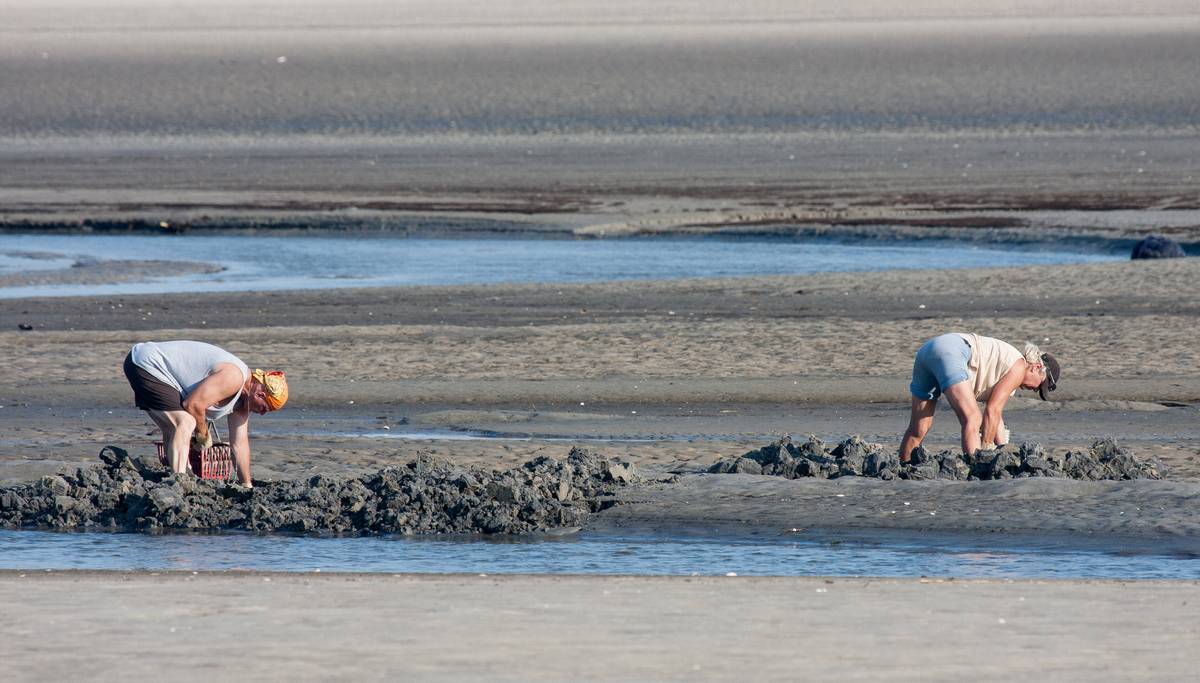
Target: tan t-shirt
990,360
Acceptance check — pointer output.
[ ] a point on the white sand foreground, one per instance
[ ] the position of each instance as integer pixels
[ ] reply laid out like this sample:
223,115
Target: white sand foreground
256,626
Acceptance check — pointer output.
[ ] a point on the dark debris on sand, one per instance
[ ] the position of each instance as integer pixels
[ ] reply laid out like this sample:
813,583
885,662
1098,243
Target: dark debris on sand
1156,247
855,457
424,496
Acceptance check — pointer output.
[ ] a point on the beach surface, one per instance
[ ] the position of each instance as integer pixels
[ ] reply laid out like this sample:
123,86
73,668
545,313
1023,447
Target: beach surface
996,124
671,376
555,628
602,117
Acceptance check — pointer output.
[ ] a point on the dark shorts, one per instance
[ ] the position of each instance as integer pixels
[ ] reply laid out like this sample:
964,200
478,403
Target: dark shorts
150,392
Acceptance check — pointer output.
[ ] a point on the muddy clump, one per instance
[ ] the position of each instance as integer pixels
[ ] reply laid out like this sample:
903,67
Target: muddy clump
1155,247
426,496
855,457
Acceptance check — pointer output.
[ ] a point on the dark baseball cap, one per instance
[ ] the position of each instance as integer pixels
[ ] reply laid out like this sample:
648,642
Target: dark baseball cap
1052,372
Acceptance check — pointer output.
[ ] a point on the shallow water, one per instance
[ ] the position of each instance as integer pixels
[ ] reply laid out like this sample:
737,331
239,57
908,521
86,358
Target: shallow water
584,553
303,262
488,435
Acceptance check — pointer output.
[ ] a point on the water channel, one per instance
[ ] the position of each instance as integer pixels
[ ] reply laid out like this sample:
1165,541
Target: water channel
255,262
773,554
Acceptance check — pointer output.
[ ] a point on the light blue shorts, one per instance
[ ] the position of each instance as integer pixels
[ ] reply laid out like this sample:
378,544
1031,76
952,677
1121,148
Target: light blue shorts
940,364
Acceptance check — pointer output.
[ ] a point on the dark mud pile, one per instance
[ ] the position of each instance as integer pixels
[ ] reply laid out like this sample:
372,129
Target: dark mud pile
422,497
857,458
1157,246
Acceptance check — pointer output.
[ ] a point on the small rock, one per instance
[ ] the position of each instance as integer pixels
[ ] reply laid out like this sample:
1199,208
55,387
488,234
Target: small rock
56,484
562,492
1156,247
621,472
746,466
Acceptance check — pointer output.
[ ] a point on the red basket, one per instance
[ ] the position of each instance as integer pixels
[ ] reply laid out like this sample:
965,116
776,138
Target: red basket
210,463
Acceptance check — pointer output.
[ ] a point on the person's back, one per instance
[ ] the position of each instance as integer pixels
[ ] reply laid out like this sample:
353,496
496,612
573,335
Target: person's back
968,368
182,385
185,364
991,359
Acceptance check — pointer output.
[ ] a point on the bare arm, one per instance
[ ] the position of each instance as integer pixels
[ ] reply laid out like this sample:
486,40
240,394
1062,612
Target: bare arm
239,439
1002,434
221,385
993,413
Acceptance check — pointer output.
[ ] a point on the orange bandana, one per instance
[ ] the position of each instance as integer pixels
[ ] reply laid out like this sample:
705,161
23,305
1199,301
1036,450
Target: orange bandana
276,386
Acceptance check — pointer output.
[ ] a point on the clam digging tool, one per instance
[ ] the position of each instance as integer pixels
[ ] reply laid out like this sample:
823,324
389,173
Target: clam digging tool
215,462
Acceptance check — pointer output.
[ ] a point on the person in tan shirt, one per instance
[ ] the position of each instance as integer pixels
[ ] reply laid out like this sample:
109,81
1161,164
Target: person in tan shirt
969,369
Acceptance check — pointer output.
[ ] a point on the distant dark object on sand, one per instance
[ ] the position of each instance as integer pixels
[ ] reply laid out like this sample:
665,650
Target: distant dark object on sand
1157,246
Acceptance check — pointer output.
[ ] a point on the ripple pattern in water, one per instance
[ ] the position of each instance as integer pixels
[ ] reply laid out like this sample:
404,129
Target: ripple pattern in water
587,553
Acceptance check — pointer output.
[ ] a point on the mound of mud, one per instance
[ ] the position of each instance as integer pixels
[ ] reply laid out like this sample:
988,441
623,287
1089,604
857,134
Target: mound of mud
425,496
855,457
1157,246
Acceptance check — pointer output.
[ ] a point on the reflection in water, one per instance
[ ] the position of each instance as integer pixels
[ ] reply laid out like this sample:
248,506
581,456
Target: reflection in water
586,553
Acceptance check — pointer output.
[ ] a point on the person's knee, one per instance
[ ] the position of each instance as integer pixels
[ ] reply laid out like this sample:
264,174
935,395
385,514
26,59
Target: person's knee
181,421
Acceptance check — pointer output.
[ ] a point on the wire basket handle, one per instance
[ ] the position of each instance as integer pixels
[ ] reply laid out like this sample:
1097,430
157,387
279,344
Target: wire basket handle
213,432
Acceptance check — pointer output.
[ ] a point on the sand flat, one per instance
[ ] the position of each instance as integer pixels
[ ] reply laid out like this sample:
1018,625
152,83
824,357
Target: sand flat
741,362
967,120
552,628
827,105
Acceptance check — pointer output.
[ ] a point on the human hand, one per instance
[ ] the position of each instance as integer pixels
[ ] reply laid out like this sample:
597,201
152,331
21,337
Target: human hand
200,442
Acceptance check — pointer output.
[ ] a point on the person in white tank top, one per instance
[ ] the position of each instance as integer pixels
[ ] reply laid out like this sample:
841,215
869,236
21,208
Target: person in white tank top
969,369
183,384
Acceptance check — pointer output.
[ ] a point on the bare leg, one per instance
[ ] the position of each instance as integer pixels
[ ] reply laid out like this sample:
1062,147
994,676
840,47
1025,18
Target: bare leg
962,400
918,426
177,427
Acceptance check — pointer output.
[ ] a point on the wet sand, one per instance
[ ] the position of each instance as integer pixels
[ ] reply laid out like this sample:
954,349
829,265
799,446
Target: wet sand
554,628
991,123
638,118
670,375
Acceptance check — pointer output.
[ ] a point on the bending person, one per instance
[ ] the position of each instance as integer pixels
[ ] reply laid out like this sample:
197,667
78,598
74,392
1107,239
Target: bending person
969,368
183,384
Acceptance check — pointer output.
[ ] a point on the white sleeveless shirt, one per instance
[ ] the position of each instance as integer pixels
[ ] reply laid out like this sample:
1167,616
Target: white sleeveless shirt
185,364
990,360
